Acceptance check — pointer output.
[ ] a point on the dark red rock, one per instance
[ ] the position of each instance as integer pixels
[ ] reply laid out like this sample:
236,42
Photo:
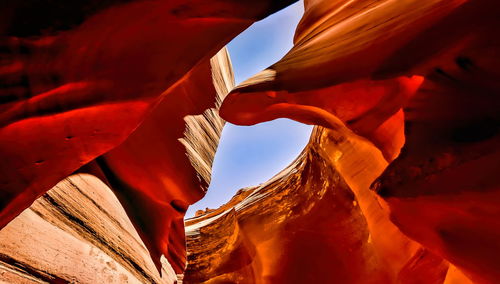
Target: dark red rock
78,79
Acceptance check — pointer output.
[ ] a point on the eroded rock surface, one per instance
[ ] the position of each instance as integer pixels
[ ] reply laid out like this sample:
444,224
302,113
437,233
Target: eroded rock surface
407,91
161,169
423,74
155,174
315,222
79,232
76,233
78,79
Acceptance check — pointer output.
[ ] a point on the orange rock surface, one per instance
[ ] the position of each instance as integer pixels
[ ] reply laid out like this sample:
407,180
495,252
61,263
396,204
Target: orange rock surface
399,183
78,80
85,215
443,190
158,171
315,222
76,233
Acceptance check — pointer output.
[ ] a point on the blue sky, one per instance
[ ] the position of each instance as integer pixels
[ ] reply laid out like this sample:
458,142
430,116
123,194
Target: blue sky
250,155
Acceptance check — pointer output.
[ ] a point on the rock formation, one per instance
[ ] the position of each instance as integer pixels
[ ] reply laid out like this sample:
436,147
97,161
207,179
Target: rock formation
418,73
103,87
76,233
315,222
399,183
79,226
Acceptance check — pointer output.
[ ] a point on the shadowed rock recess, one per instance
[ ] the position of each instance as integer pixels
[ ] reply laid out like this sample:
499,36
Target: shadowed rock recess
114,105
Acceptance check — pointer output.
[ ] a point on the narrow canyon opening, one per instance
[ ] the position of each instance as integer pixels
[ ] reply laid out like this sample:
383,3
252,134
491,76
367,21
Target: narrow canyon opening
113,113
250,155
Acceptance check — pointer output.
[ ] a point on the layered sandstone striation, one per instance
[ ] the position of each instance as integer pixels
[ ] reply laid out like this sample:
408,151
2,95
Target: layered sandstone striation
76,233
399,183
106,85
161,169
79,231
314,222
423,74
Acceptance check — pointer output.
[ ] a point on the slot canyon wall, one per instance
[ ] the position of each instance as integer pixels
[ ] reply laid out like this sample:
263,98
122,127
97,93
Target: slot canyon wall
109,88
112,104
317,221
78,232
419,80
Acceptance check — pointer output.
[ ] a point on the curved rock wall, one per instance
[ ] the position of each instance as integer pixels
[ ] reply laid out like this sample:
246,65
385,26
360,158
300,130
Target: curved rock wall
76,233
79,232
408,90
98,81
423,74
315,222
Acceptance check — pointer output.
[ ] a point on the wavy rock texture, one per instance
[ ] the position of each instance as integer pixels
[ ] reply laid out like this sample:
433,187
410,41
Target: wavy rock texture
160,169
408,90
77,232
315,222
78,80
136,166
421,71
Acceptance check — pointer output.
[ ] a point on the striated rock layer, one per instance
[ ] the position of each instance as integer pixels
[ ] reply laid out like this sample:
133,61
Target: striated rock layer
106,85
79,231
76,233
315,222
160,170
423,74
408,90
